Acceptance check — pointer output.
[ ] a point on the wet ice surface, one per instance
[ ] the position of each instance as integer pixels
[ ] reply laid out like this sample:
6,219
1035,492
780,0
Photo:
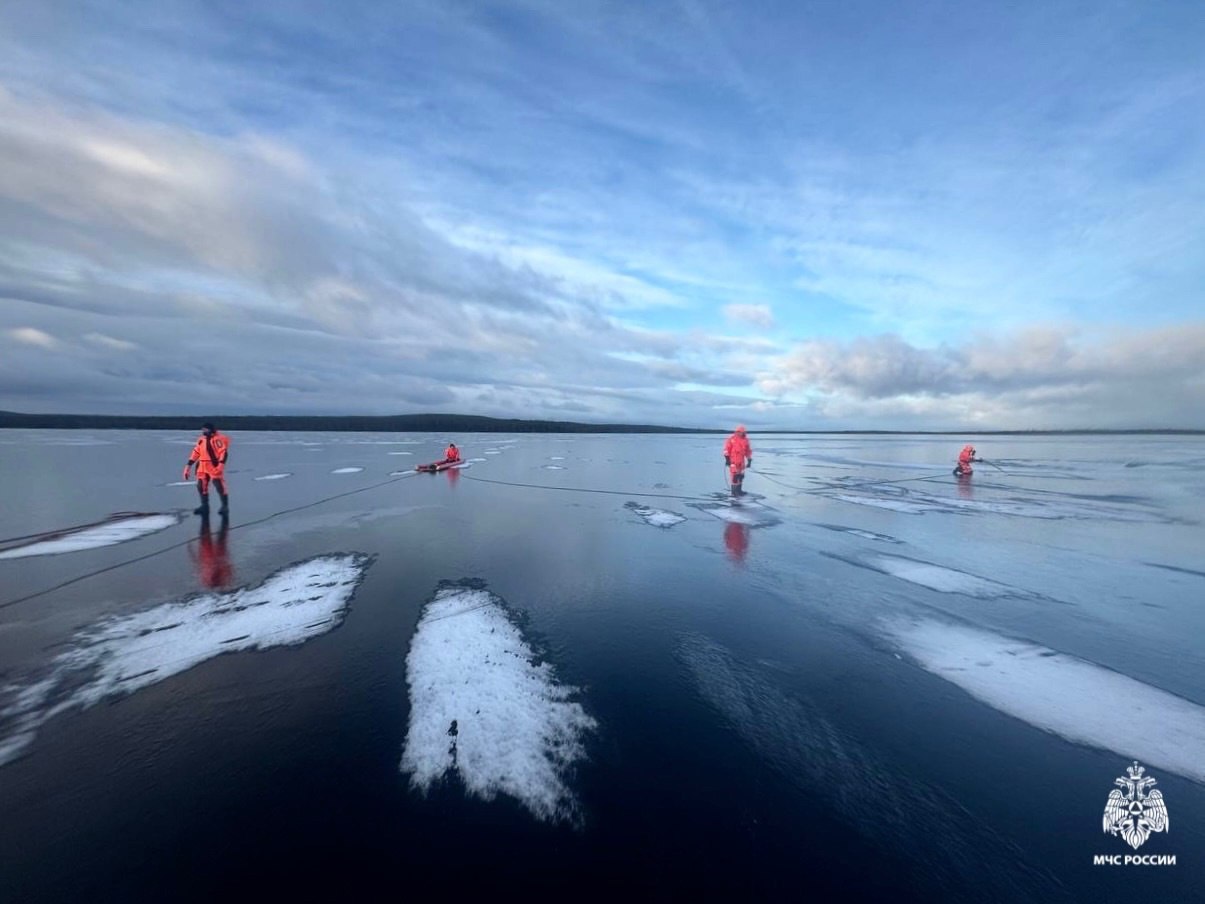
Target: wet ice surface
913,680
118,529
956,850
483,709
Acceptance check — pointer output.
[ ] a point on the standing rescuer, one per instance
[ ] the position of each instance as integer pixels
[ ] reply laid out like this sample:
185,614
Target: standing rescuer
209,455
738,455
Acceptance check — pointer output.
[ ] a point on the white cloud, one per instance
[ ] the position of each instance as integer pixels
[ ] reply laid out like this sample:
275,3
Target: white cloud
1048,377
31,336
109,342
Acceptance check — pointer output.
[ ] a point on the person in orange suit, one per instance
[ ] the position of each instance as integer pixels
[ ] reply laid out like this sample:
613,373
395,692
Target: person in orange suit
210,455
965,457
738,455
451,454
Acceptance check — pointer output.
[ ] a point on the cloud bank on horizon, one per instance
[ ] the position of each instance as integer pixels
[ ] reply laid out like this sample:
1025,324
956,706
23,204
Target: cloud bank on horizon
796,216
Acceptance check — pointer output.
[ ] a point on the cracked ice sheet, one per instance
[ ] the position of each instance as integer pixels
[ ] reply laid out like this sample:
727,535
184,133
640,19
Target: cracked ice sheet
751,514
94,536
517,730
1075,699
655,517
122,654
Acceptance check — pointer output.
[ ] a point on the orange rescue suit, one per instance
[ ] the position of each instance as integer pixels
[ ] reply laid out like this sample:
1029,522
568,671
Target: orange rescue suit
737,450
965,457
452,454
210,454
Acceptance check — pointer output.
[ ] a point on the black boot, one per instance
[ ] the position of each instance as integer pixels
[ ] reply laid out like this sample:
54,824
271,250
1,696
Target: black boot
225,504
203,508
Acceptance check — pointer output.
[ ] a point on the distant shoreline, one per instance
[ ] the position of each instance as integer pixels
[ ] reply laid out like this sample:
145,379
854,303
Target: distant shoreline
463,423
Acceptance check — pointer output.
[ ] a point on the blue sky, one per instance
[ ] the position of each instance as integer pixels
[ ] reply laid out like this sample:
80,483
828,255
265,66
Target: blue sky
936,215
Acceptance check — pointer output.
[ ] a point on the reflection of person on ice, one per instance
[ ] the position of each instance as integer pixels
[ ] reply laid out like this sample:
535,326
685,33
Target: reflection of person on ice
211,558
738,455
209,455
965,457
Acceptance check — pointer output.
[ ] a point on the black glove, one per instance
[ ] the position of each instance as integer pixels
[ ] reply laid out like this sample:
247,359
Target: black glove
727,462
749,464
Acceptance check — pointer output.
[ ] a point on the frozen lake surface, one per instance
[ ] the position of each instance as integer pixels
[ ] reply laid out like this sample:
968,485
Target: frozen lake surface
577,661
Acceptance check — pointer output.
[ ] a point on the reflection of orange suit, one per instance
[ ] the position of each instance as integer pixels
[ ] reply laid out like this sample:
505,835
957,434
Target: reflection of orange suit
736,538
212,559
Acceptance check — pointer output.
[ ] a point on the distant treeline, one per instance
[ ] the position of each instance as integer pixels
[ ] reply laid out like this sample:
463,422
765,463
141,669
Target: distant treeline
401,423
459,423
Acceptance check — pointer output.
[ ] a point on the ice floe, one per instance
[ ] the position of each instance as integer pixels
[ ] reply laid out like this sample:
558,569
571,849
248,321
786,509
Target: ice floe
655,517
347,470
739,511
935,577
122,654
1075,699
275,476
483,709
118,529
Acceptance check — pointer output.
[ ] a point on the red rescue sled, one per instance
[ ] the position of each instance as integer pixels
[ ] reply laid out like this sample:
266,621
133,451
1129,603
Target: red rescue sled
437,466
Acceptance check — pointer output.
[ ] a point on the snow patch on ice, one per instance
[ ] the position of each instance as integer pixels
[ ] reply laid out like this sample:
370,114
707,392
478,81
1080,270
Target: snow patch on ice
553,468
400,453
1077,700
493,451
118,529
859,532
346,470
181,483
893,505
122,654
402,473
556,457
483,709
655,517
275,476
935,577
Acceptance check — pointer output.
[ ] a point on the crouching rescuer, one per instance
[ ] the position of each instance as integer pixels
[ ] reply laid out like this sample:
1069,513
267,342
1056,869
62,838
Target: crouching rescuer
209,455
